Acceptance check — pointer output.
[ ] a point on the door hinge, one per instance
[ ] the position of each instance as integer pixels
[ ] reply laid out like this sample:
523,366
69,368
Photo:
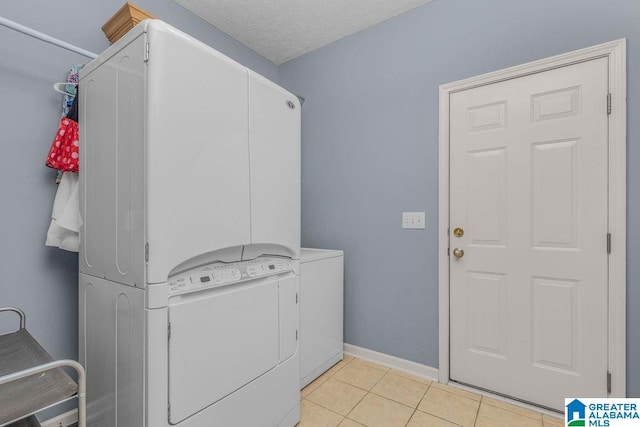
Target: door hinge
169,330
608,382
296,297
146,251
448,251
608,243
146,52
296,335
608,103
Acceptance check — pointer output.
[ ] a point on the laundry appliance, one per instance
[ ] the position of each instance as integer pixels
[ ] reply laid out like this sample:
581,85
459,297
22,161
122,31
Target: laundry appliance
190,244
321,311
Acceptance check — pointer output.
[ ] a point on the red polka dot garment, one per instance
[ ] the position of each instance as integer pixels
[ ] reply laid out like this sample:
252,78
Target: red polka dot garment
63,154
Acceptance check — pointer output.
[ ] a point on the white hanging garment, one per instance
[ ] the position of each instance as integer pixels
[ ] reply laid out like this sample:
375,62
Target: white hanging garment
65,218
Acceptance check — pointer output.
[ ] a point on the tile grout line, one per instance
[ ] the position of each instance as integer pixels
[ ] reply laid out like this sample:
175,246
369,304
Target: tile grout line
393,400
419,402
354,407
475,420
412,414
512,411
331,376
328,409
363,389
437,416
410,379
387,372
365,395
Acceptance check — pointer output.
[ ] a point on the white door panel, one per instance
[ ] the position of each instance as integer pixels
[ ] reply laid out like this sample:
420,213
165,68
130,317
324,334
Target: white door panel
219,342
528,185
274,141
197,152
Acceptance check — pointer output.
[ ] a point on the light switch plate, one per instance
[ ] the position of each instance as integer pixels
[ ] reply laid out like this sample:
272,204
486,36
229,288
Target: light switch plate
413,220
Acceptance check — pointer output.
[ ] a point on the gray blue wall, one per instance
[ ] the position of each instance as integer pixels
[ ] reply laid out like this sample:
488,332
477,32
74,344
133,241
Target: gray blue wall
370,148
42,280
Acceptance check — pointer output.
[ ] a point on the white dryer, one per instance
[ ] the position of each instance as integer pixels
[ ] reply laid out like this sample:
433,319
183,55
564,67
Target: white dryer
190,196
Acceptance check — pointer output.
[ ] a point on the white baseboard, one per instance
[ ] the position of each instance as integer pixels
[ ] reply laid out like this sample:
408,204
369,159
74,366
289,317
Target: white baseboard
63,420
404,365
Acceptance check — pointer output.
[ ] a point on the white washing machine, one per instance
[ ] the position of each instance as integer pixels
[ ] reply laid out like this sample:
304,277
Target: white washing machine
321,311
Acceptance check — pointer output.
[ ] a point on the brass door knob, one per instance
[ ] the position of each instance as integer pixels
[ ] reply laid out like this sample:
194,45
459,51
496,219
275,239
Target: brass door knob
458,232
458,253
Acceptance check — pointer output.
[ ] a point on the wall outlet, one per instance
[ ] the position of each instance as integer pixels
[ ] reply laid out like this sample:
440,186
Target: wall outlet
413,220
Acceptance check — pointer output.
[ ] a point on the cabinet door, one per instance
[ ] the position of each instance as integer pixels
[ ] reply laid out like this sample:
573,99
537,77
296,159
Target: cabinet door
274,140
220,341
197,152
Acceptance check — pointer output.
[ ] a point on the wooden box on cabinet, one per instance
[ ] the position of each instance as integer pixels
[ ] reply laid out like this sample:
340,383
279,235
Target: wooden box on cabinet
123,20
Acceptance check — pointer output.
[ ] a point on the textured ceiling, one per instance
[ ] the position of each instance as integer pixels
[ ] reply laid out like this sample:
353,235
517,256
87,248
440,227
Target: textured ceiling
281,30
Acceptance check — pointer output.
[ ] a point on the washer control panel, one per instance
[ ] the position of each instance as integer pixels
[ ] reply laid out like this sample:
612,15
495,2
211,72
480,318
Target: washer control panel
221,273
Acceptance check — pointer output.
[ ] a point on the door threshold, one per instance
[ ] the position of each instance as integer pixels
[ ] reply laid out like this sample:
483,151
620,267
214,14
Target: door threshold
545,410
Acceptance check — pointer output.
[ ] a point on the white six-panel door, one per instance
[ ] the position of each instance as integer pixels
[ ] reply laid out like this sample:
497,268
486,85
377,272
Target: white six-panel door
528,188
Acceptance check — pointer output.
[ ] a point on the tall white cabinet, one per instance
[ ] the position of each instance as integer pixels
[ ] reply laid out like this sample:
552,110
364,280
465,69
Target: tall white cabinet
190,197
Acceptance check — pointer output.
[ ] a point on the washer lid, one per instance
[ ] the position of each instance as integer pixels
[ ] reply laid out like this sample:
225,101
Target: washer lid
308,254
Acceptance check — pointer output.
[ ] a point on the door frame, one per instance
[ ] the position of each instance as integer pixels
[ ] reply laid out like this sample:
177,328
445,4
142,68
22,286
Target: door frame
615,51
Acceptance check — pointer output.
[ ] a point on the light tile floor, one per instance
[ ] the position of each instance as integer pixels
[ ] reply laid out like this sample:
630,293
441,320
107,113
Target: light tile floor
356,393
